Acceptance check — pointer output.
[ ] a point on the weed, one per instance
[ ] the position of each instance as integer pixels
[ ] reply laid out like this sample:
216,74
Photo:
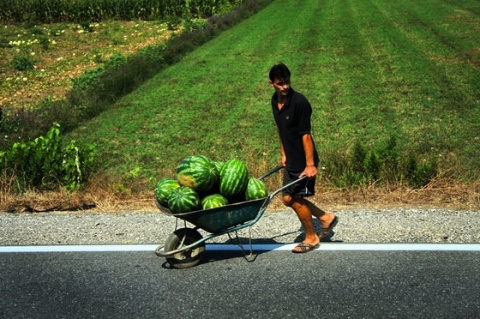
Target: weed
87,26
89,80
173,22
44,164
22,63
44,42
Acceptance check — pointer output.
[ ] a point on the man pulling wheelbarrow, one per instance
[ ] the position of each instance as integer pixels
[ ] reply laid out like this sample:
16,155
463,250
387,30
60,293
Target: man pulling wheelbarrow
292,113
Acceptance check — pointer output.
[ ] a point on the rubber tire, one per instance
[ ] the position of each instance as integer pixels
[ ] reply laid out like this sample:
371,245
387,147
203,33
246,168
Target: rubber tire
187,258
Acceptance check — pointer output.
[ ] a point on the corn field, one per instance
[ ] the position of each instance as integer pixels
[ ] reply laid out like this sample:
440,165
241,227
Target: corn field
54,11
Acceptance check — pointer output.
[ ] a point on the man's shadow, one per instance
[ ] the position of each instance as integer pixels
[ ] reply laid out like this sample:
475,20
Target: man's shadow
251,255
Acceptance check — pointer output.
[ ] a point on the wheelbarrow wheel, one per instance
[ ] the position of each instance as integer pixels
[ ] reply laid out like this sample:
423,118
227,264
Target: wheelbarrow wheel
189,257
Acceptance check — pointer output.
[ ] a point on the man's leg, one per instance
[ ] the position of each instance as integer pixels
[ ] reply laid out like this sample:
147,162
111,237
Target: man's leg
305,216
305,210
325,218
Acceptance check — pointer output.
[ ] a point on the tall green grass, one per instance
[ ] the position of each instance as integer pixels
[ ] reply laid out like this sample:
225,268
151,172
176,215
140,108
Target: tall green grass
373,70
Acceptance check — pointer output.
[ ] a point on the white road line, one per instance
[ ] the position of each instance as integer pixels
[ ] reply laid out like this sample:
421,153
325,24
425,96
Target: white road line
256,247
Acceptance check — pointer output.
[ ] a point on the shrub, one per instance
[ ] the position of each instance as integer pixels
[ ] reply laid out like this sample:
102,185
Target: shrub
381,164
22,63
45,164
86,26
89,79
173,22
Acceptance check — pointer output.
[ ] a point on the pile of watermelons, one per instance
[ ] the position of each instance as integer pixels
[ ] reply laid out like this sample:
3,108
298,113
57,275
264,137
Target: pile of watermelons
201,183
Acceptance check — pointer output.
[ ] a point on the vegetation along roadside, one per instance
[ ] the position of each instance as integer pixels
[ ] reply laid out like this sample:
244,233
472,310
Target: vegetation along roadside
394,87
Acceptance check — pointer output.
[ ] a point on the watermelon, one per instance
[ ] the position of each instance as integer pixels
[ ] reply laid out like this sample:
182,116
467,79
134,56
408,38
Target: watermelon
214,201
163,188
255,189
233,179
197,172
218,165
183,199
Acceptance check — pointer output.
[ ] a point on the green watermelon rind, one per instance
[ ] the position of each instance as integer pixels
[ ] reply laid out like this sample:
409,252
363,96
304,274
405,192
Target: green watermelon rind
218,165
197,172
213,201
163,188
233,179
256,189
183,200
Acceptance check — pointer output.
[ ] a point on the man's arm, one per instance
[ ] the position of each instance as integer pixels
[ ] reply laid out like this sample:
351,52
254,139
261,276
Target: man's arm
310,170
282,151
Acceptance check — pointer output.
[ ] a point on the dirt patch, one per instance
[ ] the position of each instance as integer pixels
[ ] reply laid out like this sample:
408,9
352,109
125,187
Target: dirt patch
62,52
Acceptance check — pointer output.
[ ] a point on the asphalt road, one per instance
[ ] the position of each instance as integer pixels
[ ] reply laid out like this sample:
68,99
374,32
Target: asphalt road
270,284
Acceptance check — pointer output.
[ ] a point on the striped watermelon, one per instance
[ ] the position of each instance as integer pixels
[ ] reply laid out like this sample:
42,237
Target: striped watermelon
218,165
255,189
183,199
163,188
214,201
197,172
233,179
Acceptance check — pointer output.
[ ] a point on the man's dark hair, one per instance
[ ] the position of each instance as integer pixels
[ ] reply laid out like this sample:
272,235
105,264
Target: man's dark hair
279,71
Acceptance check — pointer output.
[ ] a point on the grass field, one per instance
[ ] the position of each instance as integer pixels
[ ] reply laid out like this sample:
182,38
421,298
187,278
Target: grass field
372,69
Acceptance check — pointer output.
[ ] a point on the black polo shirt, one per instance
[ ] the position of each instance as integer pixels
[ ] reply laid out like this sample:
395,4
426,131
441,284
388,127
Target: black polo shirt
293,121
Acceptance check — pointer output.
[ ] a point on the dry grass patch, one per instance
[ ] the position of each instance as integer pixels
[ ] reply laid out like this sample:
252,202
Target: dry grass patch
438,194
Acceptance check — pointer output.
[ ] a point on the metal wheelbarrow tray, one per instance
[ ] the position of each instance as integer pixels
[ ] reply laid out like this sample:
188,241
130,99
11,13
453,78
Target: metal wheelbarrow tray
223,218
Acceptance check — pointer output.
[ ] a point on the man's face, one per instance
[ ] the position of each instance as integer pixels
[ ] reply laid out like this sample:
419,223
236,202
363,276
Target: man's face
281,86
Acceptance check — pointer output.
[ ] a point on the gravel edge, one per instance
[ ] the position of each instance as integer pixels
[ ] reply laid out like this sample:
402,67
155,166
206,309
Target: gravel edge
400,225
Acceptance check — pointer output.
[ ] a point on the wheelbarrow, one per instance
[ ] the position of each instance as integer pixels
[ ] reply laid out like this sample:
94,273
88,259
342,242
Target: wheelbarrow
185,247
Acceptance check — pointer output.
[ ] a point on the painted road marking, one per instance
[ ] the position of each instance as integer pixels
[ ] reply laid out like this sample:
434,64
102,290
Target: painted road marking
255,247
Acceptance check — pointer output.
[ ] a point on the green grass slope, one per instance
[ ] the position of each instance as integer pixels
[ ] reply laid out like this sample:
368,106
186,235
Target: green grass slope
371,69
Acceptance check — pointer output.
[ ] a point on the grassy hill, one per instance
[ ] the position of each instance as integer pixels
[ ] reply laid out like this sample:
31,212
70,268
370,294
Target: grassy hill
391,84
371,69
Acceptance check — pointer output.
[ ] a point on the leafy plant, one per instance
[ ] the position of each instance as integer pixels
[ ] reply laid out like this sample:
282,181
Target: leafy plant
173,22
45,164
87,26
89,79
381,165
22,63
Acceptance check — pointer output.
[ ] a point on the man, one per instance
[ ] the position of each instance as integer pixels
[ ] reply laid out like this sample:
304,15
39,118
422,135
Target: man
292,113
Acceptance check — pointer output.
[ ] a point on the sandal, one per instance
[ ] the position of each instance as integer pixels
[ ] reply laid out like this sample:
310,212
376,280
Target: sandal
324,232
305,248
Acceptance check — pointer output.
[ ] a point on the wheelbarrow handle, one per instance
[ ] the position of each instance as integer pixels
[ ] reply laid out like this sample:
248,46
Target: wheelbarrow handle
270,172
274,170
272,195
